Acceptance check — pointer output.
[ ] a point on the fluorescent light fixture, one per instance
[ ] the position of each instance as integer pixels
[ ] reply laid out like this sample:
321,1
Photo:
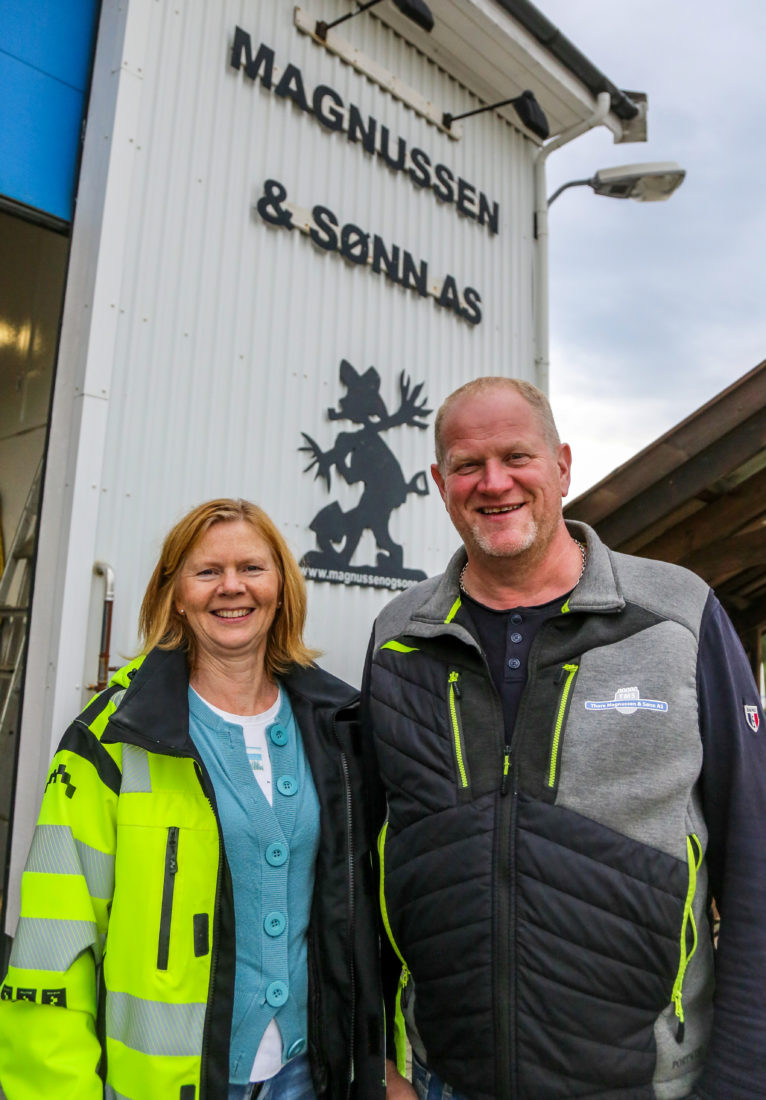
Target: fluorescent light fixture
416,10
526,107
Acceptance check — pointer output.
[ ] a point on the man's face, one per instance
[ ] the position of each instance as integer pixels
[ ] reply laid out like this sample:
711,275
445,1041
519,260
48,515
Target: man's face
501,482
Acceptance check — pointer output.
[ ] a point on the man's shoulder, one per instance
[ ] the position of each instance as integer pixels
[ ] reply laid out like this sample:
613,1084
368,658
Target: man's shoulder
395,616
667,589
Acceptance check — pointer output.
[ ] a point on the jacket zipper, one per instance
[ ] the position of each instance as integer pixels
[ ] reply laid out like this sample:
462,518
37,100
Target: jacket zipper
505,922
215,933
568,674
400,1037
506,770
351,915
168,888
694,861
505,1000
455,695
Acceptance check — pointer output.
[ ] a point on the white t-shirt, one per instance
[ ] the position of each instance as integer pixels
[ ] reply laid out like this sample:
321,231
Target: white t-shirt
254,728
268,1057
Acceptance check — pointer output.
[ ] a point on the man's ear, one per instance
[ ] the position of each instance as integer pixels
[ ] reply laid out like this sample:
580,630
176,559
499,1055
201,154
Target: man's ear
565,467
436,474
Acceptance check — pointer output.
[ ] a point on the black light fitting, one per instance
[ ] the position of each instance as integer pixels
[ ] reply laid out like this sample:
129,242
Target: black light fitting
526,106
416,10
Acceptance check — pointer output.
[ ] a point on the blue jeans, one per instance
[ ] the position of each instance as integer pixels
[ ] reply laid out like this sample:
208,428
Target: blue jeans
430,1087
293,1082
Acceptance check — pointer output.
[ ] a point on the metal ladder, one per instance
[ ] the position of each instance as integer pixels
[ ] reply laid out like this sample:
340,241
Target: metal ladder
14,608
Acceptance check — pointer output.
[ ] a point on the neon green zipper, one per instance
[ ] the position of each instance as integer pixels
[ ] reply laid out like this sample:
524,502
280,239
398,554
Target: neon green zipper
400,1031
566,690
457,733
694,860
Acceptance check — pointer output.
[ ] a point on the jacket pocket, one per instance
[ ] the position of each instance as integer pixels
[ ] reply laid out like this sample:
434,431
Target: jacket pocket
168,888
688,943
566,678
454,696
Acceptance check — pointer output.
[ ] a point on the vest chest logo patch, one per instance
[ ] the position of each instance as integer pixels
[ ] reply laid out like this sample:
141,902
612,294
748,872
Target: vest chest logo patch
626,701
753,718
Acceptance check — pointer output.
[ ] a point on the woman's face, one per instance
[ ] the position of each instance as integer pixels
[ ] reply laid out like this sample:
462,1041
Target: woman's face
228,591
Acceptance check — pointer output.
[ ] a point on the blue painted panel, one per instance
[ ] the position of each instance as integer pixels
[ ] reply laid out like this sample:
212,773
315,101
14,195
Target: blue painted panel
39,136
53,36
45,55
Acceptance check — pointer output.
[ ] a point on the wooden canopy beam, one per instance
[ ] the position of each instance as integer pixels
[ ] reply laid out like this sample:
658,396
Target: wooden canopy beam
720,458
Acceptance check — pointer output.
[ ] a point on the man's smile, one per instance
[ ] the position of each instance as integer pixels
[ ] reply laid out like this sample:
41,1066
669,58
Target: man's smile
500,509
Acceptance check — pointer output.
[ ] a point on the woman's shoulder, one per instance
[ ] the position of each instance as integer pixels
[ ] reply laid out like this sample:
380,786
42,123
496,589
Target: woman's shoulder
318,686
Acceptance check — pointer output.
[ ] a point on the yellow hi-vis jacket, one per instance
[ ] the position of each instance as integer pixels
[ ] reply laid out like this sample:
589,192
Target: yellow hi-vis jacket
121,976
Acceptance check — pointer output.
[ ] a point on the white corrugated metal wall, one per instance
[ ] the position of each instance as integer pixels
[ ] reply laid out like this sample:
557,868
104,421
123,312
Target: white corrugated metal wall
198,342
231,331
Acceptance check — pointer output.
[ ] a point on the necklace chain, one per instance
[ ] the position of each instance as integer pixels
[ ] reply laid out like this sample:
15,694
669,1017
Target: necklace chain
580,546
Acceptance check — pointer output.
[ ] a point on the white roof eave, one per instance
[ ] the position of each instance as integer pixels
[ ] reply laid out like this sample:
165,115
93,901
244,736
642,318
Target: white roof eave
495,58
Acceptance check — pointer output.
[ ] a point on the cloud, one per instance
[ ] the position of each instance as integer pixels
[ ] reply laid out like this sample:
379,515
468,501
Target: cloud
657,307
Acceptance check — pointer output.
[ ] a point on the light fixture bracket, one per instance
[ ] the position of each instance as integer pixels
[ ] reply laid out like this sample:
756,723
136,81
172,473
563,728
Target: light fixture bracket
377,73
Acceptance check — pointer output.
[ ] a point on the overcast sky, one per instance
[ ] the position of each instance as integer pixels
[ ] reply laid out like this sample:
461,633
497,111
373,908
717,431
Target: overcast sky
656,307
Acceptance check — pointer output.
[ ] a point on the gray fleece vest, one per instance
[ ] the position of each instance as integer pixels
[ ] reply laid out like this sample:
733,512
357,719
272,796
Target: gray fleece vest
550,896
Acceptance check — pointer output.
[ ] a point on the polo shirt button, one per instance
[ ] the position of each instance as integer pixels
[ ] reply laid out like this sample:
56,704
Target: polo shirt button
517,638
276,993
514,662
277,853
275,923
287,785
516,618
295,1048
278,735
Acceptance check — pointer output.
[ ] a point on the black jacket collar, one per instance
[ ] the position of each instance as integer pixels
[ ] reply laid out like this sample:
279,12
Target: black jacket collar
154,714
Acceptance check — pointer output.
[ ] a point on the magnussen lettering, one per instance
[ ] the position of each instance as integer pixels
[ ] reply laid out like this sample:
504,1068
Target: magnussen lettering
326,105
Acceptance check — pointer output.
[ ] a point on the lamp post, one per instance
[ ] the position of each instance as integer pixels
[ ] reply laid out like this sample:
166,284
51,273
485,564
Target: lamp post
651,182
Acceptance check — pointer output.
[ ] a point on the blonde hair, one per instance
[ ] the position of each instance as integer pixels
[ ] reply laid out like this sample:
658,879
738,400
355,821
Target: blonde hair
160,624
531,394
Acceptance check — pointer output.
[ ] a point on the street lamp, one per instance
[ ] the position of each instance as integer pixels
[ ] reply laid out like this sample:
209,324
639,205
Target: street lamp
643,182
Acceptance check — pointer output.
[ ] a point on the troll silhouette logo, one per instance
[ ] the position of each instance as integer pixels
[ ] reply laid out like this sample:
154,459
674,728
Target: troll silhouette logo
362,455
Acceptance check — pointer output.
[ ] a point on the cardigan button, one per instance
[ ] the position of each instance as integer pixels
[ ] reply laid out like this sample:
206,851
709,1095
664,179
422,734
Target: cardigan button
275,923
276,993
295,1049
287,785
278,735
277,853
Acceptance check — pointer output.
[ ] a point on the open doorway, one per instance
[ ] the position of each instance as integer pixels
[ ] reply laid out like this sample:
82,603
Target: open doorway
32,276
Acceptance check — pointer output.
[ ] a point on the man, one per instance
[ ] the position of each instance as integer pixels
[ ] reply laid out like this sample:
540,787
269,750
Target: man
571,749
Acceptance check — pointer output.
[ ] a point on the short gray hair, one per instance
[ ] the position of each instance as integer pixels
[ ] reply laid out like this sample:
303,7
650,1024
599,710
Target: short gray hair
531,394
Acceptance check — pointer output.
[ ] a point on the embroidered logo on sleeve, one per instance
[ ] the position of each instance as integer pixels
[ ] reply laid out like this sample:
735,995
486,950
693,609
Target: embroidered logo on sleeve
752,717
626,701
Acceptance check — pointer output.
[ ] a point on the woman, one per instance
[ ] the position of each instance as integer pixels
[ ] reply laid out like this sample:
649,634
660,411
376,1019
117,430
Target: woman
197,908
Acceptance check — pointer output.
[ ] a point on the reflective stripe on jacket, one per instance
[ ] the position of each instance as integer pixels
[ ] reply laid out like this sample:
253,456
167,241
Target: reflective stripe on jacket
127,912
